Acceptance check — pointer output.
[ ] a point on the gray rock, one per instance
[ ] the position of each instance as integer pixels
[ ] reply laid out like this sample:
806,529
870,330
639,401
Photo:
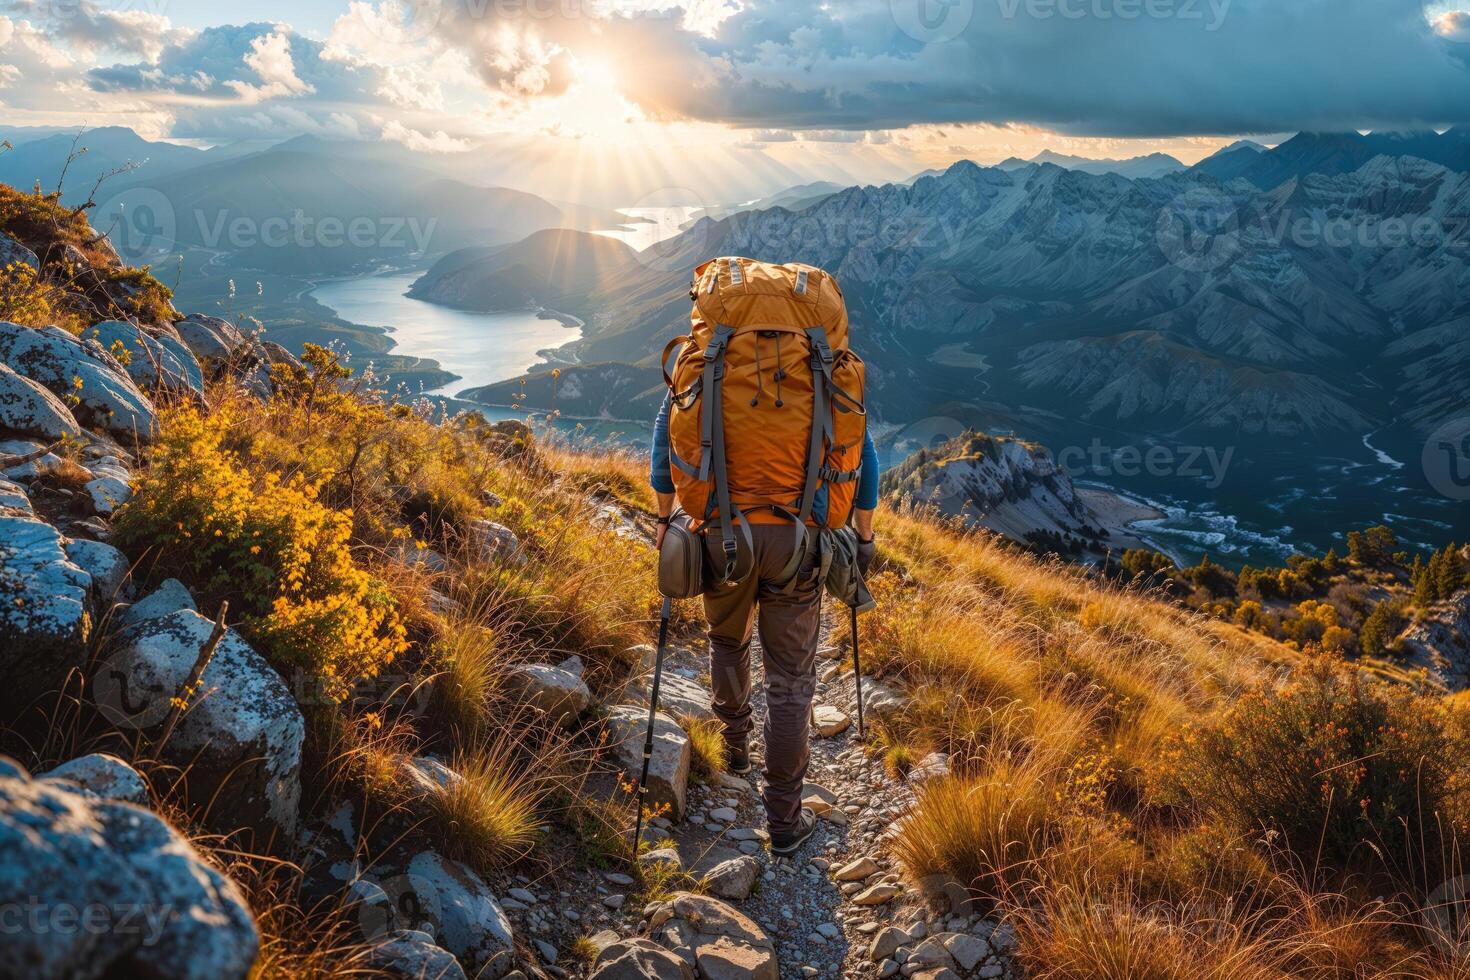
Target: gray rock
495,542
879,699
45,611
668,770
725,944
1439,641
168,598
108,493
931,953
933,765
30,409
103,776
733,879
119,891
886,943
109,568
13,252
639,959
208,337
966,950
14,496
463,913
242,735
411,955
153,362
668,856
562,695
428,775
677,696
53,358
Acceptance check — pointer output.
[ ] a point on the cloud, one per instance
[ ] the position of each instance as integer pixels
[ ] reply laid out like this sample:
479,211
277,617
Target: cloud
1453,24
90,28
436,142
270,58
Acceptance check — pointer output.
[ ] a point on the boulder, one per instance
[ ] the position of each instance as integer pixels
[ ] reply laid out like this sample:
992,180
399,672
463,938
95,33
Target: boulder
932,766
879,700
108,493
13,252
667,858
668,770
733,879
495,542
102,776
722,943
168,598
108,567
26,407
678,696
208,337
561,694
639,959
452,904
152,362
428,775
411,955
242,735
12,449
117,891
107,399
45,611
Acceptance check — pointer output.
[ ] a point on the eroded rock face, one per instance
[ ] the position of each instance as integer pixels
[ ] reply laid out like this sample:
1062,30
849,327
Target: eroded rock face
28,408
168,598
243,732
45,610
411,955
678,696
119,891
1440,642
668,770
108,567
107,399
153,361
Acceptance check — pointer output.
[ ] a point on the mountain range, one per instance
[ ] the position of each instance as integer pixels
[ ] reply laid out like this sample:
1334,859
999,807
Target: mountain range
1286,326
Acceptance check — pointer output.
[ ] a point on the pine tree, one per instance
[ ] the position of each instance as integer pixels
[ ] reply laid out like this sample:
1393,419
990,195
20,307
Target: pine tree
1423,578
1451,576
1382,628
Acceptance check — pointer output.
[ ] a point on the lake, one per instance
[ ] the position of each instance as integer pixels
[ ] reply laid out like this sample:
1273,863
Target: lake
481,348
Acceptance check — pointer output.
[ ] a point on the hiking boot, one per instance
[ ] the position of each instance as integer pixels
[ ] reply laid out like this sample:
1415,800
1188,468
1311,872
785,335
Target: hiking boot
788,842
737,758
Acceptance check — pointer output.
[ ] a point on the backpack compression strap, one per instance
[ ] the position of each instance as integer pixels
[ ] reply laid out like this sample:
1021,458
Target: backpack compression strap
712,462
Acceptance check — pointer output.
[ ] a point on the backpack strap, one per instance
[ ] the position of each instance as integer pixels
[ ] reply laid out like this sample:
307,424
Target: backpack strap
712,448
821,433
663,361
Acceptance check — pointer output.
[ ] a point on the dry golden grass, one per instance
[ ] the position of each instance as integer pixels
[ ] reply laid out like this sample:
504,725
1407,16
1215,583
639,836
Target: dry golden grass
489,815
706,745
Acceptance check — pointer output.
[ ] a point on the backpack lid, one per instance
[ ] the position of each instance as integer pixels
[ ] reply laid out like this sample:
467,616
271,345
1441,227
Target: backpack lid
745,294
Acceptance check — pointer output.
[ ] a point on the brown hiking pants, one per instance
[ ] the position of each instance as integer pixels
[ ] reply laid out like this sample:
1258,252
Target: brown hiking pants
789,625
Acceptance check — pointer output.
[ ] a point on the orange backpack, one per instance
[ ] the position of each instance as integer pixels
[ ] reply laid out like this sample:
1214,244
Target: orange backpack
767,416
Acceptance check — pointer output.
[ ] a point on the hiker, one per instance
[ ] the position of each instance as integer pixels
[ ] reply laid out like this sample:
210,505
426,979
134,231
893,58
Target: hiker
769,494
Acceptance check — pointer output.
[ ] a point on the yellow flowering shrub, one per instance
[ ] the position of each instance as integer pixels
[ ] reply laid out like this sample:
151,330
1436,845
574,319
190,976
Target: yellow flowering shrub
266,543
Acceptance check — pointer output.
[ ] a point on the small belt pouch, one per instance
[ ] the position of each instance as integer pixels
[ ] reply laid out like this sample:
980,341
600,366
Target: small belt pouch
681,572
840,569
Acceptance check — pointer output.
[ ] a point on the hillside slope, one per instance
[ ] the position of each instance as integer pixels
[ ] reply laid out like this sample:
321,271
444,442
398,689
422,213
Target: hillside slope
363,688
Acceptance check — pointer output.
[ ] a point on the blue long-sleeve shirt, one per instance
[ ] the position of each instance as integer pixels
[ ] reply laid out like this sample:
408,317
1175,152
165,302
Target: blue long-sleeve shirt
660,479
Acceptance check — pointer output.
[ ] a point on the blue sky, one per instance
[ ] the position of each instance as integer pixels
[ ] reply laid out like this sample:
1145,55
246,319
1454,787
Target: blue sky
909,81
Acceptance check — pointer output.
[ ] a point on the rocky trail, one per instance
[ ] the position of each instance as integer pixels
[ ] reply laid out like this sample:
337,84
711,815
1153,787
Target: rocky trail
839,908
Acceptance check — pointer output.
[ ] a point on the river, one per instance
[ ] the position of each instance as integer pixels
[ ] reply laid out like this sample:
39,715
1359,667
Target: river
481,348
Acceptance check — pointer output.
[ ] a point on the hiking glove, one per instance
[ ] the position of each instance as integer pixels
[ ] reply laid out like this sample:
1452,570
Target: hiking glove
866,550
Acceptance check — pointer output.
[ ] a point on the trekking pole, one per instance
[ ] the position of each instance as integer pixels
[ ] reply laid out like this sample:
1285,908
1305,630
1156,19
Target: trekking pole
857,673
658,673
